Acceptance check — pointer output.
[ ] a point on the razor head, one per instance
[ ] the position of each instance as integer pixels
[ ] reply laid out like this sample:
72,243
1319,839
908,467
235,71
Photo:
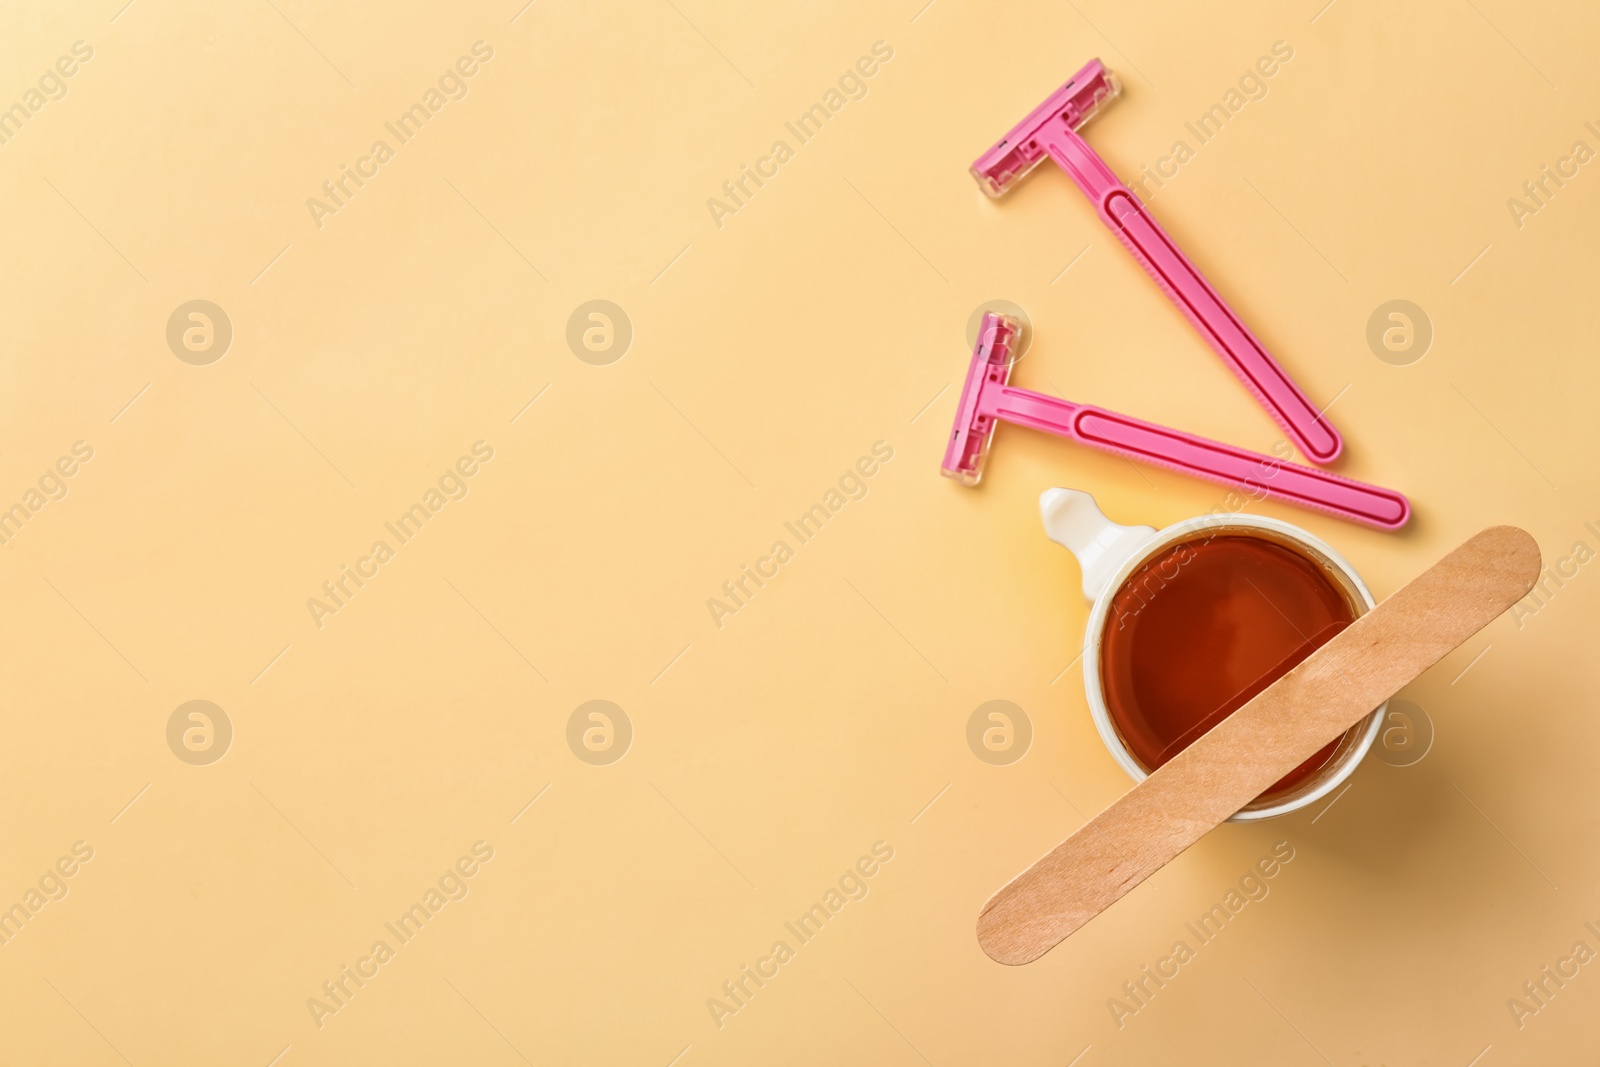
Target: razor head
1018,152
993,356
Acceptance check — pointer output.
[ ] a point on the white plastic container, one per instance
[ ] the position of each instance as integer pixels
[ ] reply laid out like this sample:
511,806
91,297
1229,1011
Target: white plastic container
1109,553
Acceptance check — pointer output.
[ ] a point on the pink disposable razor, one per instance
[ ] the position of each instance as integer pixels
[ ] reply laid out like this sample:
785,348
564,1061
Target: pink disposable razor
987,398
1052,129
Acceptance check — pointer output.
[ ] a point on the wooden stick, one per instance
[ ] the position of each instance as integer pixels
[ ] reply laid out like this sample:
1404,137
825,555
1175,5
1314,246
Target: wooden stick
1279,729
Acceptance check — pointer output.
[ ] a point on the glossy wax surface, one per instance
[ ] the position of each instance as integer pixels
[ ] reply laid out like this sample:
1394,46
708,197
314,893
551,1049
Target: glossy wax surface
1204,626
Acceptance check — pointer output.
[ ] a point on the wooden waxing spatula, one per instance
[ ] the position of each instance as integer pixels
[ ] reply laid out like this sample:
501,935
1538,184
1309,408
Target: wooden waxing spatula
1282,727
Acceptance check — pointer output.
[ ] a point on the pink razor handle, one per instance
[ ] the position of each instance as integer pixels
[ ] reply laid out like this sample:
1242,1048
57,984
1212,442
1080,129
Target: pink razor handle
987,399
1052,129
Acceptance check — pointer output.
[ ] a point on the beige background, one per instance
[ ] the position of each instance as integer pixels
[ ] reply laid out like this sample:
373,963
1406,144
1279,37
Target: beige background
768,355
